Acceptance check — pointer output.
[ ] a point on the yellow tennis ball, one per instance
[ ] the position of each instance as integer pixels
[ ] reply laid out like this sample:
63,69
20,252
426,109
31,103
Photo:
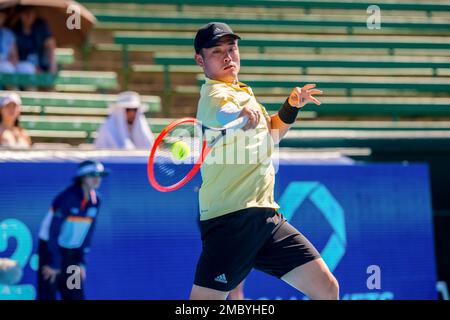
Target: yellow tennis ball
180,150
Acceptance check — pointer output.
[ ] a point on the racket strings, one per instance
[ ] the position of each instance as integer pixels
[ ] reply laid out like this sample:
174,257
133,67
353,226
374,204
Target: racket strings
177,153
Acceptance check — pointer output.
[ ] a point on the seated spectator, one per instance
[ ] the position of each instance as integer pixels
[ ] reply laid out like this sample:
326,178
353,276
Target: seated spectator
35,43
126,126
11,134
8,49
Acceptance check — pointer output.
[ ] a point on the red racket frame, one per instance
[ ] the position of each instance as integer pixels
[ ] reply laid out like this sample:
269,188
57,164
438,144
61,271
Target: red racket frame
191,173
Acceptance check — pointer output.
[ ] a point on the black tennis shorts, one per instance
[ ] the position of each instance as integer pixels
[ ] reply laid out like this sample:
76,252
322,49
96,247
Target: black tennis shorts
259,238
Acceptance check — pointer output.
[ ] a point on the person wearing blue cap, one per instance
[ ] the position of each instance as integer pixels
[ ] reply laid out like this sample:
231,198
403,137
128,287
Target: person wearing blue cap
65,235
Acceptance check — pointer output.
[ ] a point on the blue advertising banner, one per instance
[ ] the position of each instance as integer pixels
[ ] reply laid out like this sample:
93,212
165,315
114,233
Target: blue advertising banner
372,224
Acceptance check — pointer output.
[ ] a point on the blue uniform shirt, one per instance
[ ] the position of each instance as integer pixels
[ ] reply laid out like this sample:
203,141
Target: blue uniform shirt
69,225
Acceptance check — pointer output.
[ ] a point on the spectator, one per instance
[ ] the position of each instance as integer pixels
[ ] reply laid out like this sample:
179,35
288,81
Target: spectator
35,43
66,232
11,134
8,49
126,126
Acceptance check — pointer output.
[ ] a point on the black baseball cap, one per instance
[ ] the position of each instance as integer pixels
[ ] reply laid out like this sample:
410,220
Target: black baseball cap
208,35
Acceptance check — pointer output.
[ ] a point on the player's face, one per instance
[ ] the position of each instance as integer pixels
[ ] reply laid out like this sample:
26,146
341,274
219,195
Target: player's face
92,182
221,62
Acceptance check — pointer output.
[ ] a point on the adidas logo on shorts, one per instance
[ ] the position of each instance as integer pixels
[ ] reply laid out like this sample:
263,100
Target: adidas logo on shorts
221,278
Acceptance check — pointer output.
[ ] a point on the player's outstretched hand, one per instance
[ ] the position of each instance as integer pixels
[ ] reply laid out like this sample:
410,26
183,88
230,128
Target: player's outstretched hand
301,96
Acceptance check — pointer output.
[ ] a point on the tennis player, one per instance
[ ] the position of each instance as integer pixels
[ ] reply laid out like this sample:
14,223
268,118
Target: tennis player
240,226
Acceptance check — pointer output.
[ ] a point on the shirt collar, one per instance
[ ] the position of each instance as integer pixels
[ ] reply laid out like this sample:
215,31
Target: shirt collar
239,85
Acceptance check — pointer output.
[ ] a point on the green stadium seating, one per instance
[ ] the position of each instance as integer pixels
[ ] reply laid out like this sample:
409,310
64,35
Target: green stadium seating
72,127
142,38
125,39
243,23
64,56
348,83
408,96
304,63
306,4
393,107
400,142
92,80
80,104
258,61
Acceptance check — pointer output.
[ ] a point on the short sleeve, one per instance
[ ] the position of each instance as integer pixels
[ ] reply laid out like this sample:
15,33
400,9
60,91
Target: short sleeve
218,108
228,108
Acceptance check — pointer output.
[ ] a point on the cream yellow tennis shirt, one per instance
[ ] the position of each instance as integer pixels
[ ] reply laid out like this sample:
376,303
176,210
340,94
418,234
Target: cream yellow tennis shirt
238,173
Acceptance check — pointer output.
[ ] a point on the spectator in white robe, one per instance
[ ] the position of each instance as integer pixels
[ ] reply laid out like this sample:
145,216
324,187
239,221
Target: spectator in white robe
126,127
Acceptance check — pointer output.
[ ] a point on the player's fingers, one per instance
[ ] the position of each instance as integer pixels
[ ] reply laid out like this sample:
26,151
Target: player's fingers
315,91
255,117
309,86
314,100
258,116
251,121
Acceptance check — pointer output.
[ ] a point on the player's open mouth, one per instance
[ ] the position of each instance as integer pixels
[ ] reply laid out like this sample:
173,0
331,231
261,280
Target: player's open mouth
229,67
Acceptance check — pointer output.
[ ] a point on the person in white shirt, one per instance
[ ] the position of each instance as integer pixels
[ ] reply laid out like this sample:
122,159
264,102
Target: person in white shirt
126,127
12,135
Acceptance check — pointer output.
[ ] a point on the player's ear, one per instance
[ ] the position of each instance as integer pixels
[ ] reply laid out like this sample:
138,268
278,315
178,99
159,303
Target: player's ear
199,59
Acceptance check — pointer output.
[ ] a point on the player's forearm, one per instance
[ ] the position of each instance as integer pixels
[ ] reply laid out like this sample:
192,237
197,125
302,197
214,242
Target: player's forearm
278,128
283,120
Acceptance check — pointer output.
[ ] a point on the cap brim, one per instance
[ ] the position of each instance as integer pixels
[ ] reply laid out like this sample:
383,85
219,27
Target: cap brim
211,43
99,174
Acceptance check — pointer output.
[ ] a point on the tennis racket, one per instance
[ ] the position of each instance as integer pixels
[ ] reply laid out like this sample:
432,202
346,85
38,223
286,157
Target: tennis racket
180,149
